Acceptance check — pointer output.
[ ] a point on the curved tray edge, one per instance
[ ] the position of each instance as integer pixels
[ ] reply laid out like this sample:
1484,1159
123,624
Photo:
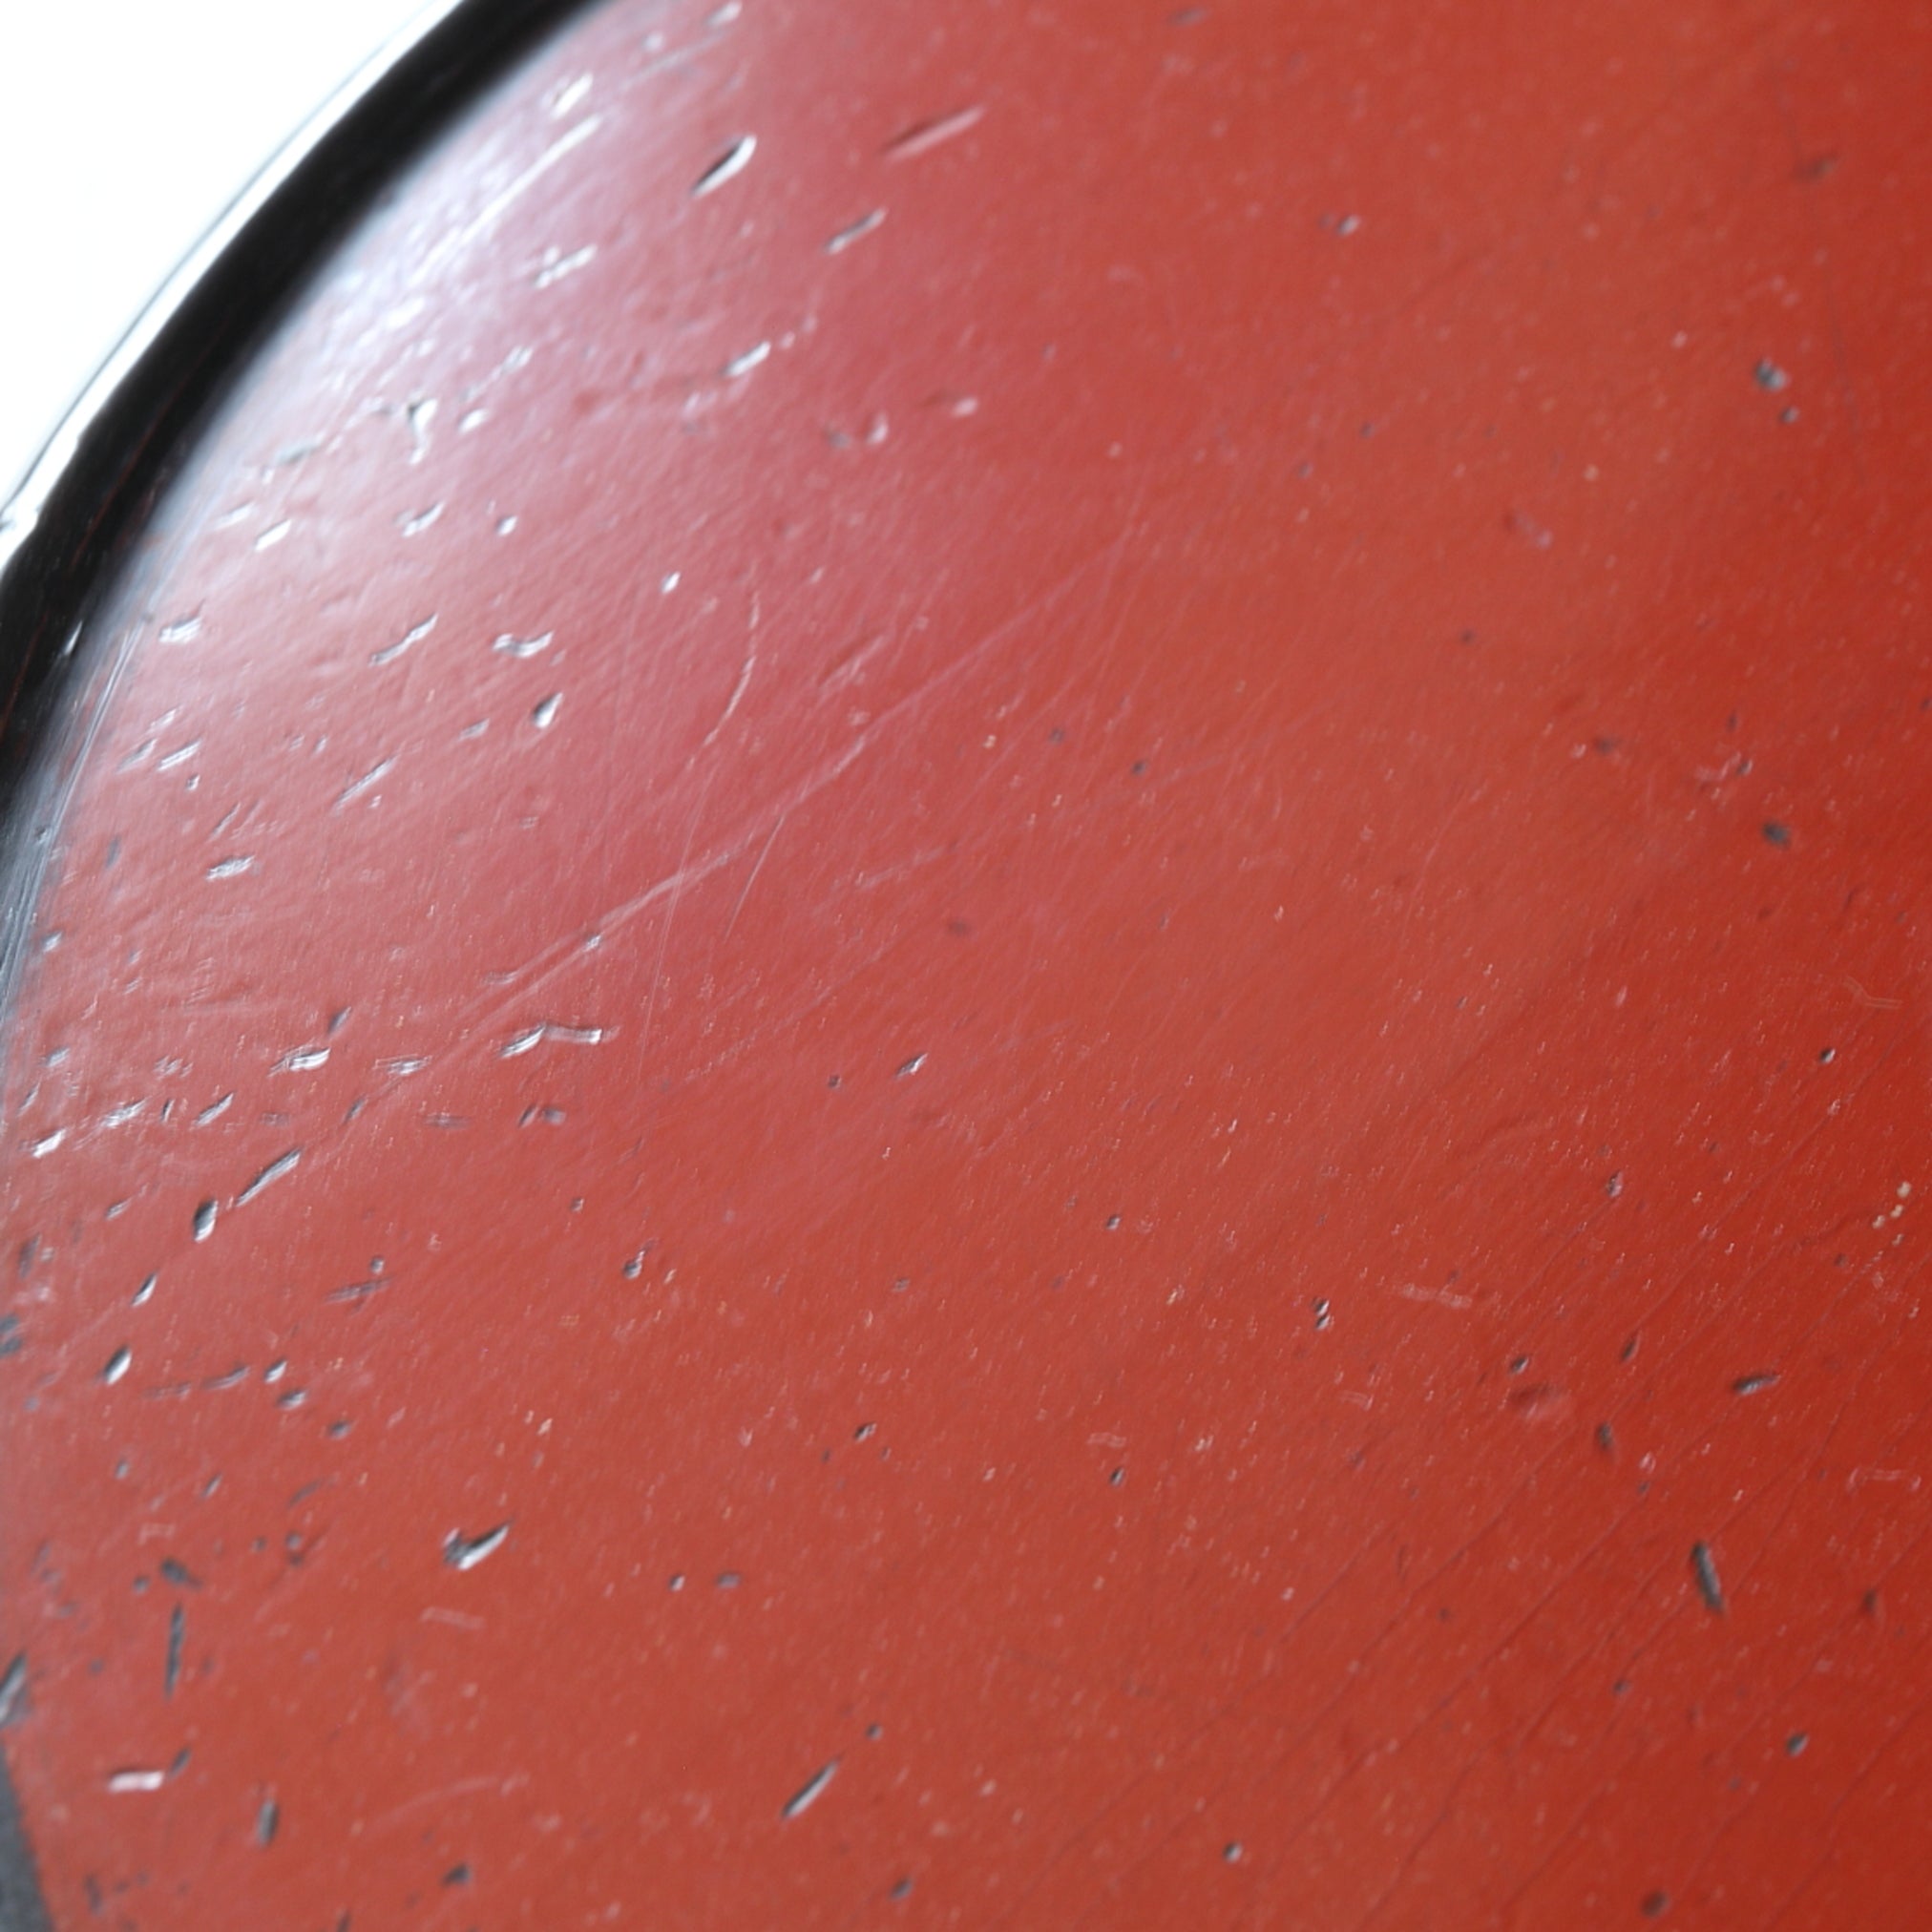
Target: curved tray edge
64,528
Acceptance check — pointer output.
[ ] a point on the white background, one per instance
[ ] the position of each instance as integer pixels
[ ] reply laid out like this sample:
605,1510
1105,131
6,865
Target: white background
126,127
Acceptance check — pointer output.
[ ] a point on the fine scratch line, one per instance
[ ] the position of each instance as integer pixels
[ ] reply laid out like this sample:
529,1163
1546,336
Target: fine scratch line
500,204
808,1795
465,1552
728,167
777,827
557,958
269,1175
366,782
747,673
931,134
683,873
480,1017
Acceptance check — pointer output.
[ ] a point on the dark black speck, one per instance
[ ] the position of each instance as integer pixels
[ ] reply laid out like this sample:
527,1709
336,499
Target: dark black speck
1704,1567
13,1691
177,1633
1777,833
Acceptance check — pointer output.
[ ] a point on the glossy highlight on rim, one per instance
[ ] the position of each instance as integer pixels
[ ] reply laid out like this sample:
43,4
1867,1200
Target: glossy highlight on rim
64,527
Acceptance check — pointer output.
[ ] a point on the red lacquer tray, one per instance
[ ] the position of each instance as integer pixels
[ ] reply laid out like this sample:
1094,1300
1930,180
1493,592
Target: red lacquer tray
967,969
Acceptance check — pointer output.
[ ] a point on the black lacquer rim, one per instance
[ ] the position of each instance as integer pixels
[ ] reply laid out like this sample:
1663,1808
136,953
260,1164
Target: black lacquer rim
65,527
65,531
68,523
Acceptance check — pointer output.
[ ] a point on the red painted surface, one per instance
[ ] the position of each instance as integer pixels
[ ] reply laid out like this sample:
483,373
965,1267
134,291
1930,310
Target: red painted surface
1180,1015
